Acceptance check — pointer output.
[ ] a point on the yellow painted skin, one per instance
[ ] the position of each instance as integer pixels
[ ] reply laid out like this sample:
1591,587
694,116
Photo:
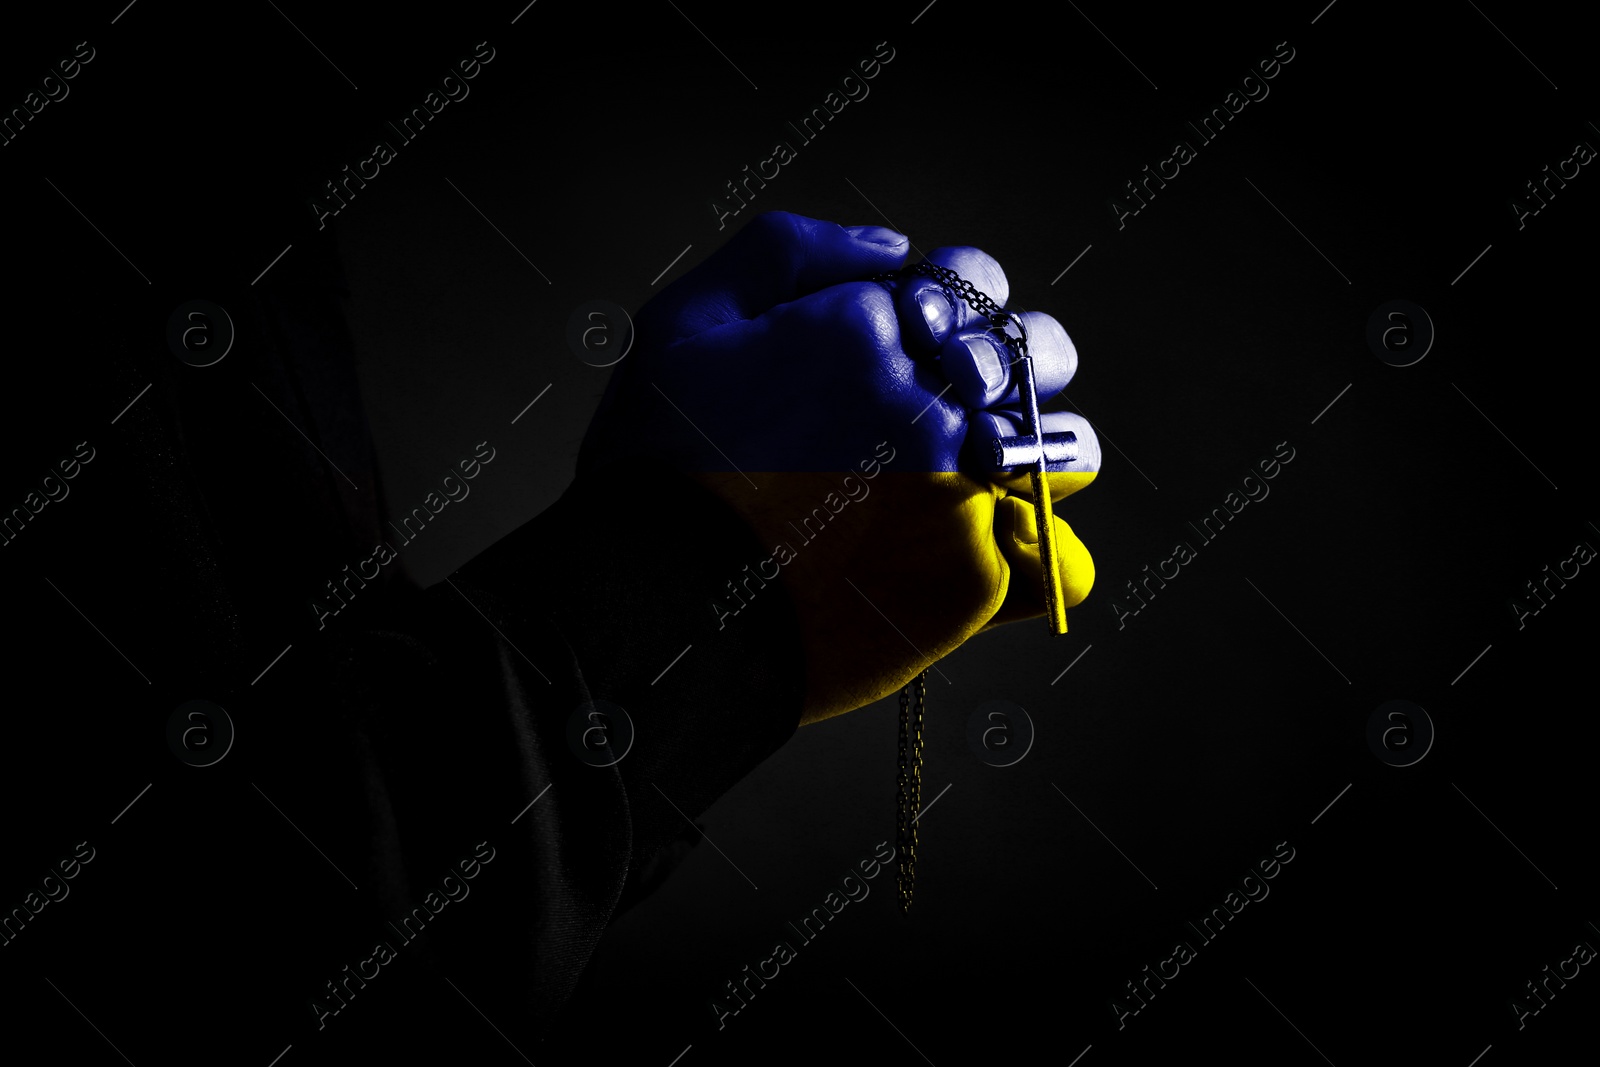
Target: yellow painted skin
890,583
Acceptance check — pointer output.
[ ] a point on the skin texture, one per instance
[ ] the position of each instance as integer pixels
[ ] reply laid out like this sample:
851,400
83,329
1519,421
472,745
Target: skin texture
779,368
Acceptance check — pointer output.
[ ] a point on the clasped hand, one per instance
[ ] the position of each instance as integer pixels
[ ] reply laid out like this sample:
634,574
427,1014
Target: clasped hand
779,367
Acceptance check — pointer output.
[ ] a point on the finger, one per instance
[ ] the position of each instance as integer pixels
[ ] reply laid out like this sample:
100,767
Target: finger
929,313
777,258
1066,476
1016,529
981,367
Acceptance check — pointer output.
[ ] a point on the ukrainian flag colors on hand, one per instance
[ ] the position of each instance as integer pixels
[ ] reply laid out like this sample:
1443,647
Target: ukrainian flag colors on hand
851,422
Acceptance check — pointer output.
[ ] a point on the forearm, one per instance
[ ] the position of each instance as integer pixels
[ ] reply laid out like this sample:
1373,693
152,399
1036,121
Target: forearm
624,584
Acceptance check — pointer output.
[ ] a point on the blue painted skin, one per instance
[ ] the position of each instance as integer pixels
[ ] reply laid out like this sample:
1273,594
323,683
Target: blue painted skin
780,375
780,353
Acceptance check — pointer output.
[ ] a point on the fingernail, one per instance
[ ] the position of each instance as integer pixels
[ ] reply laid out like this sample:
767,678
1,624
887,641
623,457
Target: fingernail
938,311
1026,530
878,235
990,366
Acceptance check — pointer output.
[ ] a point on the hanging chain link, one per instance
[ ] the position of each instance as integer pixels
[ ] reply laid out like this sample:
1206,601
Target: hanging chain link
913,702
914,697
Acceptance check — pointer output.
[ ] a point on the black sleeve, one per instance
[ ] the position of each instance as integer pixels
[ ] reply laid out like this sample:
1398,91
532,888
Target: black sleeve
458,743
400,827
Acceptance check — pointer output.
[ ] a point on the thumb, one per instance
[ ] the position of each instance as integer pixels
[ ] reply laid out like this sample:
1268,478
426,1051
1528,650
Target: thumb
777,258
1016,529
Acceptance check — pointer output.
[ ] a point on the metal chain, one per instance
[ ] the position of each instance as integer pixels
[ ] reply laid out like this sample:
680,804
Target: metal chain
955,286
913,702
914,697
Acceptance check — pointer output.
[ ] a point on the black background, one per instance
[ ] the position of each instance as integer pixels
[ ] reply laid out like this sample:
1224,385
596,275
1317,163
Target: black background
1199,734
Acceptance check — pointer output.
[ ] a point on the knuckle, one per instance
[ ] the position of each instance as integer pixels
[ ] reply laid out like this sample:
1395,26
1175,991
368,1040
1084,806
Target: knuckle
1048,339
1043,327
870,313
987,274
774,224
776,235
977,267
